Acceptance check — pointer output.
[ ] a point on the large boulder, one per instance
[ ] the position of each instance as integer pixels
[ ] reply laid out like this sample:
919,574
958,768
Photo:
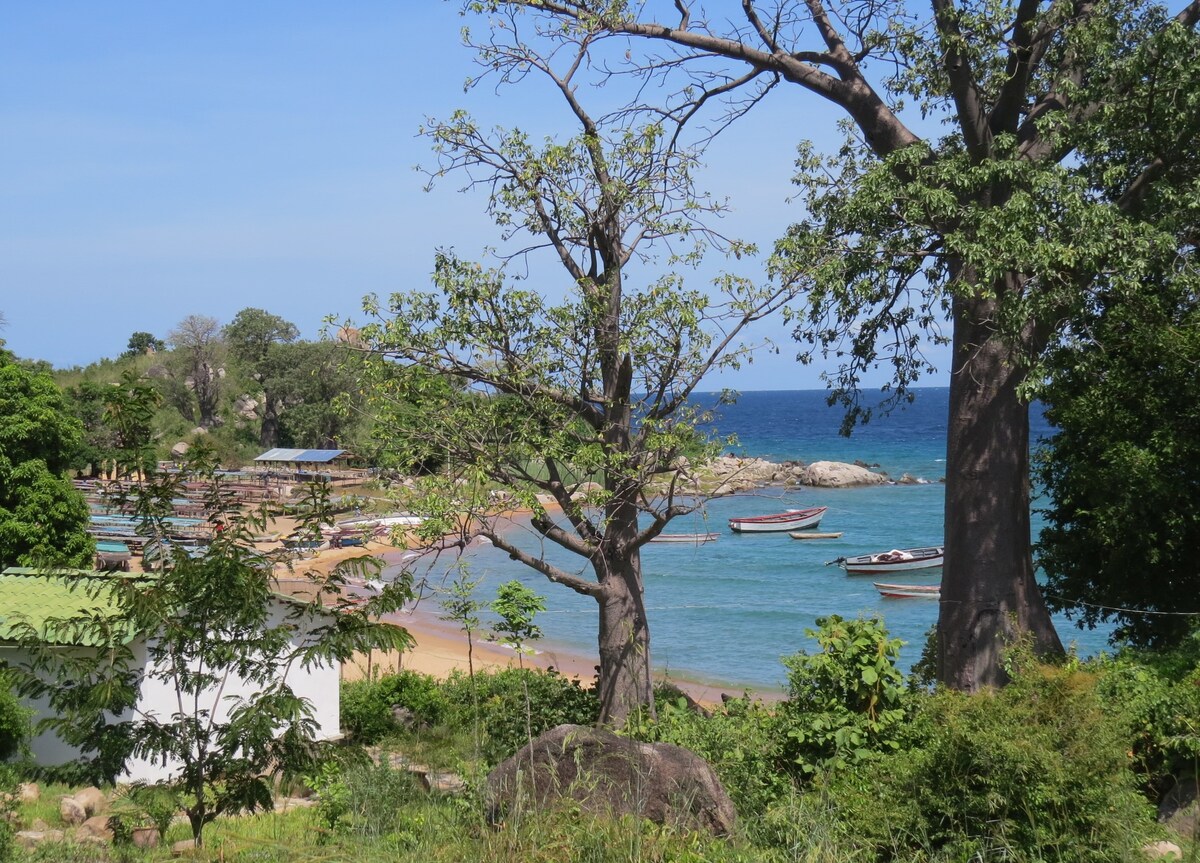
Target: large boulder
836,474
610,775
1180,808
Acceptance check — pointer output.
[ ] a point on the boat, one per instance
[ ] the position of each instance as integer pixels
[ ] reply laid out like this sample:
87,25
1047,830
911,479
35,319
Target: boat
896,560
813,535
693,538
372,523
909,591
161,550
793,519
112,554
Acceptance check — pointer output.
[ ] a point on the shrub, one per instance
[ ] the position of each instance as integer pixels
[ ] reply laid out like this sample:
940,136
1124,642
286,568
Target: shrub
362,796
1038,770
366,705
1158,695
15,727
553,700
846,703
742,741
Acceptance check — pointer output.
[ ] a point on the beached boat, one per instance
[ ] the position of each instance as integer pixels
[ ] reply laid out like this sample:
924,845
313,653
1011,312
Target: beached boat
793,519
372,523
161,550
693,538
909,591
112,554
896,560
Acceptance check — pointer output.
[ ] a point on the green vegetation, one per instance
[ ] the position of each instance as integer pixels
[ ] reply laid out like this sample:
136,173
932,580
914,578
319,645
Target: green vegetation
1004,167
210,629
1062,765
42,518
250,384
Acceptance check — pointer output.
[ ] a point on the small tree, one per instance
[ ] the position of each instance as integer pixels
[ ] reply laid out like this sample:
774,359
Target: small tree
213,626
463,608
517,605
141,343
574,391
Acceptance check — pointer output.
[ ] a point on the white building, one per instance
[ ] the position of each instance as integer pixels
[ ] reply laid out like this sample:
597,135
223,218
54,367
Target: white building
29,598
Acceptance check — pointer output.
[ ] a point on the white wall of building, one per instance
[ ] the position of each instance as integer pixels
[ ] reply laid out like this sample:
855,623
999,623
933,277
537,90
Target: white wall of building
320,685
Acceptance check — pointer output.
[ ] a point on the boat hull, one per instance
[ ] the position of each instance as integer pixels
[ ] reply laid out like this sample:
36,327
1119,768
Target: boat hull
783,521
690,538
909,591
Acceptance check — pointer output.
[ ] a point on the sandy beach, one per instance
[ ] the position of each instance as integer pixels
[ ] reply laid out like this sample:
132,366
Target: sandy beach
441,647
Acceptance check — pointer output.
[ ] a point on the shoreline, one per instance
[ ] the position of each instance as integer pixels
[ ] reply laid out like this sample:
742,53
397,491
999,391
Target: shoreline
441,647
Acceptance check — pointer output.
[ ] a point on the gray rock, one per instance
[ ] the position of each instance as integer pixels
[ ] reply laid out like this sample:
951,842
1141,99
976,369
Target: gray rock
29,792
92,800
183,847
33,838
611,775
437,782
1180,808
180,449
836,474
95,827
71,811
1162,851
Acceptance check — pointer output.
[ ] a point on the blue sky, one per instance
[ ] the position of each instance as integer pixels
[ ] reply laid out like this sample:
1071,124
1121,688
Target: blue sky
164,159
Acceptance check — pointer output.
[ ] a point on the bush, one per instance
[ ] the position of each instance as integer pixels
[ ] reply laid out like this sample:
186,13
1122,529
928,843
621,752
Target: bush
366,705
847,703
1036,771
361,797
1158,695
15,722
553,700
743,741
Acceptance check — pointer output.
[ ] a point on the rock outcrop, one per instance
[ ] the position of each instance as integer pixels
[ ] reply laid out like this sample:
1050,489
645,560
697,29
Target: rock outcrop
610,775
836,474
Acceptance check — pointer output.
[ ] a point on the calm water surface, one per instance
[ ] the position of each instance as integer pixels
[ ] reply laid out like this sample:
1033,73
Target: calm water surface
727,611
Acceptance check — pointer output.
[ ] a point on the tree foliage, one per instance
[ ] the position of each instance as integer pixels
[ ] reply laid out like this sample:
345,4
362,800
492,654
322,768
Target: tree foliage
216,634
42,517
141,343
574,380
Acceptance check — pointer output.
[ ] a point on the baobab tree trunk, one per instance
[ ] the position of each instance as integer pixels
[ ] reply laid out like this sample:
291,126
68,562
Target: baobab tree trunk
624,639
269,431
989,595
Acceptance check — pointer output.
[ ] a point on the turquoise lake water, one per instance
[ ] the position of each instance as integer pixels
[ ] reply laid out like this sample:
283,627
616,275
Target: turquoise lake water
728,610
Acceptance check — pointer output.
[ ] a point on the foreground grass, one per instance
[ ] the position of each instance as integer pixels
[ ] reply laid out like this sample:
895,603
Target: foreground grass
436,830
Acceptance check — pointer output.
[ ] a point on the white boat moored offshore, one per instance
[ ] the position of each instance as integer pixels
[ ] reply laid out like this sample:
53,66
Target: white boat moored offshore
793,519
896,560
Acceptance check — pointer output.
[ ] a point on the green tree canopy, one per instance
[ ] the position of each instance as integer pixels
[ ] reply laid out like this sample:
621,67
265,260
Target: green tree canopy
43,519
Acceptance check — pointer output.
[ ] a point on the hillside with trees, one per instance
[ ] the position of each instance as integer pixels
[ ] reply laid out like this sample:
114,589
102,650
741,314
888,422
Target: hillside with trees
243,386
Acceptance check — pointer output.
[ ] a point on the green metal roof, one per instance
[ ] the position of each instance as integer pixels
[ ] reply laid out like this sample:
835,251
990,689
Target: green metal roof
36,597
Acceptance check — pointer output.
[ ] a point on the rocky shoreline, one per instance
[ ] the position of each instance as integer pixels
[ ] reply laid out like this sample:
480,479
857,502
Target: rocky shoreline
729,474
